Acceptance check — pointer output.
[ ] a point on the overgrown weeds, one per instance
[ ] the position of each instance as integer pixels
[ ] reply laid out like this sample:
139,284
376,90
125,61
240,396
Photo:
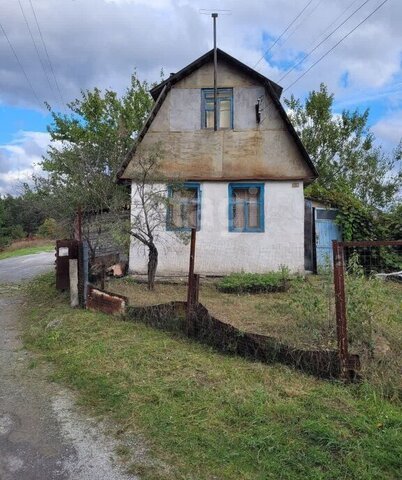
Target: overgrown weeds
255,282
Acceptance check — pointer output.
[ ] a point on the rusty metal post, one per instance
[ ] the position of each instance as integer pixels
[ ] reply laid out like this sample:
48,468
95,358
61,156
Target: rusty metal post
103,275
215,16
340,305
191,280
78,225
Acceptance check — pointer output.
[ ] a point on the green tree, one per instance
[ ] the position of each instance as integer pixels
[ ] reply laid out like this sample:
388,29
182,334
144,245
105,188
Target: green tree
343,150
87,147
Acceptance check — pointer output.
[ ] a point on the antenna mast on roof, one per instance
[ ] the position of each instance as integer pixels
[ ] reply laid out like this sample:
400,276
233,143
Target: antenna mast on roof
214,15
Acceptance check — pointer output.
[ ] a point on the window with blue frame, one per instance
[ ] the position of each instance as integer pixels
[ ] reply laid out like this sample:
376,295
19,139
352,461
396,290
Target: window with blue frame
184,207
224,108
246,207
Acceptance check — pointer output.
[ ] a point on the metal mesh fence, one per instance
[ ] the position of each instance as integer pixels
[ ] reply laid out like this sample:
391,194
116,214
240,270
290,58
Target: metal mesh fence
368,287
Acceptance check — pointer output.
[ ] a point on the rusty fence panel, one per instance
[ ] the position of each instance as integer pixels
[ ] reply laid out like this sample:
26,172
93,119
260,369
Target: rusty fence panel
373,258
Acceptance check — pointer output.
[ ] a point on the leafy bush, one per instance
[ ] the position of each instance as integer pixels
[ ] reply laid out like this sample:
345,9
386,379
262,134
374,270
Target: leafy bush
17,232
49,228
255,282
5,241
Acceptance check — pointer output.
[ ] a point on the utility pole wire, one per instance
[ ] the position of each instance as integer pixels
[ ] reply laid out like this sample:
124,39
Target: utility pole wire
47,53
283,33
336,44
322,41
36,47
301,23
333,22
21,67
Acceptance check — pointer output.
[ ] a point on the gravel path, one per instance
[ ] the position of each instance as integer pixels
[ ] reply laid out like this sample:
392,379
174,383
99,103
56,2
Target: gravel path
43,435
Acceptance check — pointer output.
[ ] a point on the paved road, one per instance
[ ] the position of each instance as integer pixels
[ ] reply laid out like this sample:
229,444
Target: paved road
17,269
43,435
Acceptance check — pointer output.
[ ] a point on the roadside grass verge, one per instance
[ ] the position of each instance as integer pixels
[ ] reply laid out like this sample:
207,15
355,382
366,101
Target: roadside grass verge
210,416
27,247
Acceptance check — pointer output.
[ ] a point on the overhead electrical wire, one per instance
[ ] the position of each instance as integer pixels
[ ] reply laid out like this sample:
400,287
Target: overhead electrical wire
46,52
286,29
336,44
36,47
301,22
333,23
20,65
322,41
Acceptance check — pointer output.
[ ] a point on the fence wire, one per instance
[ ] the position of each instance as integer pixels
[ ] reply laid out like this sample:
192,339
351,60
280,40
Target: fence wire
373,284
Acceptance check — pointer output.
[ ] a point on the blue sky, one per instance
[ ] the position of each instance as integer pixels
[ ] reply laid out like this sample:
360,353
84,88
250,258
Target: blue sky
84,50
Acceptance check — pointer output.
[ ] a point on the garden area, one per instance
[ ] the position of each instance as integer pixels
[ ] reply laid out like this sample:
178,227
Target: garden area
300,312
203,415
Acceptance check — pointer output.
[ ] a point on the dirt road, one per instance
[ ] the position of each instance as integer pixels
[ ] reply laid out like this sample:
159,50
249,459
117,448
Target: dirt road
43,435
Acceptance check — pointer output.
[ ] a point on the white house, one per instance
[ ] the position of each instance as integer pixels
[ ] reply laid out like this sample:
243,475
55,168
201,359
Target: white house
243,183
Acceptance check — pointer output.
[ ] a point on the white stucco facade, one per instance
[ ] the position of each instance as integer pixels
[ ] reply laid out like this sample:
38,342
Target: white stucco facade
220,251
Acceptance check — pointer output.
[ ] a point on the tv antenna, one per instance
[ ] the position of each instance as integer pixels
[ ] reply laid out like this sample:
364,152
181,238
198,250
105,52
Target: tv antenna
214,14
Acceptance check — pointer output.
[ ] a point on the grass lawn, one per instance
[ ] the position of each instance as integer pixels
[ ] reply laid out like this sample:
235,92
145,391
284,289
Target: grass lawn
208,416
27,247
304,317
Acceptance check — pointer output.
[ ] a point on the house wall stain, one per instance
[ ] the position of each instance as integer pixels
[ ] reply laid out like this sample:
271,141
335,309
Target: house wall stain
248,151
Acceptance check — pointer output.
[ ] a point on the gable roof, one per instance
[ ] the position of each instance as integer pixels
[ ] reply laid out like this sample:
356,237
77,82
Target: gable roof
160,91
209,57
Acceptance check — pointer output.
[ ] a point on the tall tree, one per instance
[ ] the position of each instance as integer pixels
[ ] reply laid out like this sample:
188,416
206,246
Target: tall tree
343,150
87,147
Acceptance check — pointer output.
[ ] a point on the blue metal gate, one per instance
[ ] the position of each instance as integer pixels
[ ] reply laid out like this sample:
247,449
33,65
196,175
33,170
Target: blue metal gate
326,230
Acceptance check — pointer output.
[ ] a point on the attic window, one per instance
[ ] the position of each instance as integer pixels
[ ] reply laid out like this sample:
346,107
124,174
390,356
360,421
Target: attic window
224,108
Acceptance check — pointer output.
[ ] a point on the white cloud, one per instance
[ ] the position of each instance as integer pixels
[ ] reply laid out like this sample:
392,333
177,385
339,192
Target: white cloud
389,129
20,159
100,42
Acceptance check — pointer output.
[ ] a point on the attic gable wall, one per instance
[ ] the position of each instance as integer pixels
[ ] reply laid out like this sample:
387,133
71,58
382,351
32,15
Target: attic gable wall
248,151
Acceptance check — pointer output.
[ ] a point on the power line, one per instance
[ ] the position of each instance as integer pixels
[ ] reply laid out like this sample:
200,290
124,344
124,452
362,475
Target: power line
322,41
333,22
46,52
36,47
21,67
301,22
286,29
336,44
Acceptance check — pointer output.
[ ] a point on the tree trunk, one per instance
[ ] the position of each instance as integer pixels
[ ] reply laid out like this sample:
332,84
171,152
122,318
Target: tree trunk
152,265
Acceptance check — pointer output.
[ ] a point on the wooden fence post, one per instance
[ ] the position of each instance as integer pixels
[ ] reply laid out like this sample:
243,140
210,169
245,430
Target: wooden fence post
340,305
193,281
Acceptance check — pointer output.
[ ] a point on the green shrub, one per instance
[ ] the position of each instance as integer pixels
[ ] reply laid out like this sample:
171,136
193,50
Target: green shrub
5,241
255,282
17,232
49,229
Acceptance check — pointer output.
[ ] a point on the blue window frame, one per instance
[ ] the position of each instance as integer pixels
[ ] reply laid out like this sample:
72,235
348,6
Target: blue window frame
246,207
184,207
224,107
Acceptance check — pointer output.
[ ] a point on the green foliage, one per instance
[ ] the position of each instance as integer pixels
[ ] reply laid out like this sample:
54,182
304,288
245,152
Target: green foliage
358,221
17,232
88,146
254,282
20,216
343,150
49,229
393,222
